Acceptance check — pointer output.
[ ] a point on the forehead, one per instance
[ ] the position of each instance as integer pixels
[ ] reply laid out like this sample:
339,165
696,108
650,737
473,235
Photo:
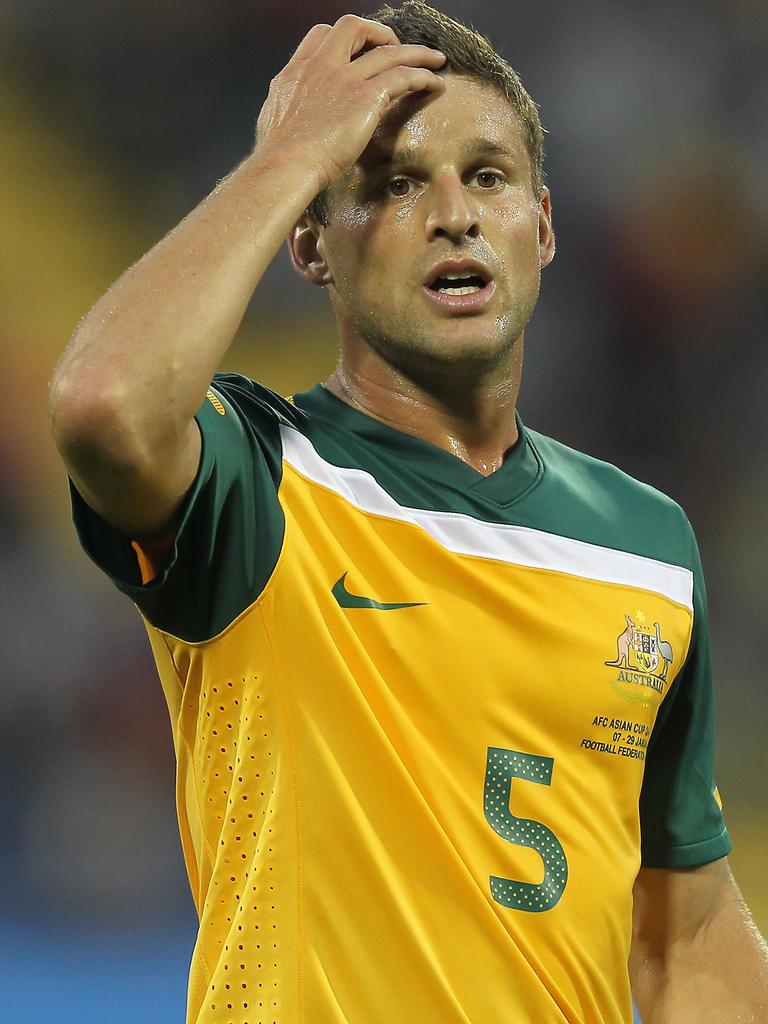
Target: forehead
468,115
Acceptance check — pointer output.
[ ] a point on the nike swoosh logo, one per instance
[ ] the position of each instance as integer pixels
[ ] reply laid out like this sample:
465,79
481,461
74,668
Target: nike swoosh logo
346,600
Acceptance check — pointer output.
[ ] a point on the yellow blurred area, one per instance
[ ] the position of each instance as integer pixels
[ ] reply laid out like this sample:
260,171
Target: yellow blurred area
749,833
65,236
63,239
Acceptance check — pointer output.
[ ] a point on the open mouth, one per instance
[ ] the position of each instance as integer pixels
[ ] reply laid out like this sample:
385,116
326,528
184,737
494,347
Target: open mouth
465,283
460,286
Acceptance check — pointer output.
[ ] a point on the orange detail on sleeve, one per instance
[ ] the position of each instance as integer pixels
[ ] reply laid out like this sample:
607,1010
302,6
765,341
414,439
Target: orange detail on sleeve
152,555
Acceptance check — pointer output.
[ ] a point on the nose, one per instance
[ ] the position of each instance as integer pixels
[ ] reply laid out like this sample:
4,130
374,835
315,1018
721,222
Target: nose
452,213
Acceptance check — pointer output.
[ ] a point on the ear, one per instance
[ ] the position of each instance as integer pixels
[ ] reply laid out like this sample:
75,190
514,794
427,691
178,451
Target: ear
546,231
306,246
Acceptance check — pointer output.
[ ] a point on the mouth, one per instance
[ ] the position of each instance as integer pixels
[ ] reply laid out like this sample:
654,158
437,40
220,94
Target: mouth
461,286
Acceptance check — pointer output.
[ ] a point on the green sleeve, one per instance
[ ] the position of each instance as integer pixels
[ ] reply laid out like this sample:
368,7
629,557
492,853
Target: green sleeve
680,817
231,527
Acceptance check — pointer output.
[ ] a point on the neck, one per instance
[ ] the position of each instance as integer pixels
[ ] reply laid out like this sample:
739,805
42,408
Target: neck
473,419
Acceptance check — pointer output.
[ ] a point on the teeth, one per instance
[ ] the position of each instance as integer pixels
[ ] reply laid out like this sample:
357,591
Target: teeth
458,291
460,276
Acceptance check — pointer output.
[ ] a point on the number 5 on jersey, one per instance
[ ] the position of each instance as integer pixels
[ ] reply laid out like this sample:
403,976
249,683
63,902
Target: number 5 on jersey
502,766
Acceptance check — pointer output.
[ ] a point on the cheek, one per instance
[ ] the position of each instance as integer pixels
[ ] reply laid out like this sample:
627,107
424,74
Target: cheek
351,219
518,238
354,241
518,218
405,213
348,238
367,257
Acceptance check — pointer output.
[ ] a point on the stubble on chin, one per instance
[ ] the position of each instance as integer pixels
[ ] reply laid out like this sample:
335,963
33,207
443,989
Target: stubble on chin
410,342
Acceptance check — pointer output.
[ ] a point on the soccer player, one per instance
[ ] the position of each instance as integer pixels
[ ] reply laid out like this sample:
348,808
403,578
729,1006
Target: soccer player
439,686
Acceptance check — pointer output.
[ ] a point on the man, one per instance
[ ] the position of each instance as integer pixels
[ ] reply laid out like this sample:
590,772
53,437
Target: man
438,685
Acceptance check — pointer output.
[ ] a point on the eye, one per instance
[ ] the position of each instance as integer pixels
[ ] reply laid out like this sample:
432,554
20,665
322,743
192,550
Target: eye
484,176
394,187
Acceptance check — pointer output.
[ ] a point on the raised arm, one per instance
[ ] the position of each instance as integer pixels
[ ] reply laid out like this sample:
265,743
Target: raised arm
697,957
125,391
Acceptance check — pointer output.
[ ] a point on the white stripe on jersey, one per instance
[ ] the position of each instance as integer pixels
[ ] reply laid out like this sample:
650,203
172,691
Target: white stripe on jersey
465,535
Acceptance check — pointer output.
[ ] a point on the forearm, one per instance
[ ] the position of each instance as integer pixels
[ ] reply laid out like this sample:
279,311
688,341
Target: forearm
719,975
149,347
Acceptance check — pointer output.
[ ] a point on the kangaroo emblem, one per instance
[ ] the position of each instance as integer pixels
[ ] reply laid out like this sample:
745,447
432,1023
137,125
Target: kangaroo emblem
623,643
665,650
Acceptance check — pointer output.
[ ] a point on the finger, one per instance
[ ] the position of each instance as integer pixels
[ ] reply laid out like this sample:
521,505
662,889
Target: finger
400,81
382,58
311,41
351,34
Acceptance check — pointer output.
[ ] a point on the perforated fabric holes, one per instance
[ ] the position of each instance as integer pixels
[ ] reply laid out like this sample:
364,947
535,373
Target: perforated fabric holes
235,761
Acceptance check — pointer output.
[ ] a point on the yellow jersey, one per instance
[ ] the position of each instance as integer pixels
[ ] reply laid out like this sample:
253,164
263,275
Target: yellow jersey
428,723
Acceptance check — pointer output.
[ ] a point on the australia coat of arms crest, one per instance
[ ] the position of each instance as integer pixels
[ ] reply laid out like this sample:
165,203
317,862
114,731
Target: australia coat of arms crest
643,656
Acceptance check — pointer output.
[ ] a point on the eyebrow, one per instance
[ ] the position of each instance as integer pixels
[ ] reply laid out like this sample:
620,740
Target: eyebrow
472,147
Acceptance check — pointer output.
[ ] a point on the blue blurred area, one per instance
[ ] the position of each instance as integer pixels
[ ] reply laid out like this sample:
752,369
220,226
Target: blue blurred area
75,976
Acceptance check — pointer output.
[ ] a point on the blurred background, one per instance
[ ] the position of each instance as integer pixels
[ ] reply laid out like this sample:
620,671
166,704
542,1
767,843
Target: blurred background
649,349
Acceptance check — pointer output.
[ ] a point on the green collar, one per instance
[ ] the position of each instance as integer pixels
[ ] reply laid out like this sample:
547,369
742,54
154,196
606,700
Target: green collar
521,471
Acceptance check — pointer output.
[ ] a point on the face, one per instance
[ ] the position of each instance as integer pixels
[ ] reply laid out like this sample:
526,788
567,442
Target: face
442,181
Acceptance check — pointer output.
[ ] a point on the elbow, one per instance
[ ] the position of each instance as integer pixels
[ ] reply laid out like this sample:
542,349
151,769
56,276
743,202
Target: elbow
89,421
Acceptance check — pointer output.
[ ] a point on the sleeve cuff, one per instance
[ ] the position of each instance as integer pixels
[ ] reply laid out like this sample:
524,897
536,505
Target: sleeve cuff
689,856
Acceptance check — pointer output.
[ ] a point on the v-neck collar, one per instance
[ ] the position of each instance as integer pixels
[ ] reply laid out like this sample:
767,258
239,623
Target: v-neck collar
519,473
